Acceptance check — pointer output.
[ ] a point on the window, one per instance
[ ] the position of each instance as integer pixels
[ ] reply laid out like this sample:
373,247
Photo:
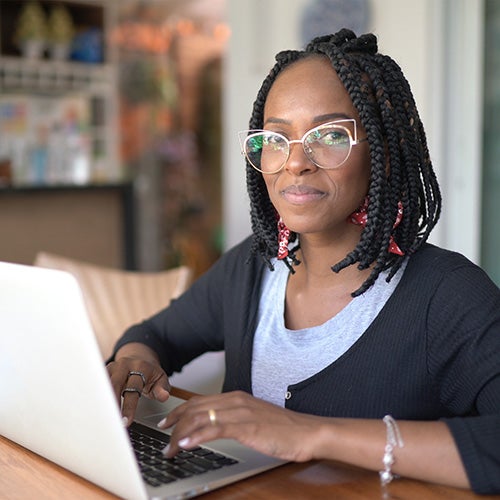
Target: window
490,243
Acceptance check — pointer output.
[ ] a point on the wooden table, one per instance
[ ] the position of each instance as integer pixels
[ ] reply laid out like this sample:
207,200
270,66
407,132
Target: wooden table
25,475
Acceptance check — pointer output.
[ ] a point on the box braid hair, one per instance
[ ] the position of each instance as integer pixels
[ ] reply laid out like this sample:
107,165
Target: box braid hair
401,169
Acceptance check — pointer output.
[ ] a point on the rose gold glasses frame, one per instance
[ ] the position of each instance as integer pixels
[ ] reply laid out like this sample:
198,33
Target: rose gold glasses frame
245,135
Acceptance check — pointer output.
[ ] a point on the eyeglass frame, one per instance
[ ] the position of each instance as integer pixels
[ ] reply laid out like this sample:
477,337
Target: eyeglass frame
245,135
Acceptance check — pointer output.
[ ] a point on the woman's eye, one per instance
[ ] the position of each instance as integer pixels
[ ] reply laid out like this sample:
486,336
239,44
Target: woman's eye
335,138
273,140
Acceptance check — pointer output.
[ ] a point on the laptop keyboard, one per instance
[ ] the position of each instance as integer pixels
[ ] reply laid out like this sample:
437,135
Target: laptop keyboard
157,470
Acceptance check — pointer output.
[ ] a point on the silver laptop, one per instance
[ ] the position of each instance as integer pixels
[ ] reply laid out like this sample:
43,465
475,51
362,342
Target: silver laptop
56,398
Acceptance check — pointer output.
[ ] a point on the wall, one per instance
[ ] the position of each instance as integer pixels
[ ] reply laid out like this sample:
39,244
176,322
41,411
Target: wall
87,223
432,40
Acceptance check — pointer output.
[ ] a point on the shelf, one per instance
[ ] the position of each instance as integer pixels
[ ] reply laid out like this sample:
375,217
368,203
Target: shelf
58,118
85,14
52,188
60,177
18,74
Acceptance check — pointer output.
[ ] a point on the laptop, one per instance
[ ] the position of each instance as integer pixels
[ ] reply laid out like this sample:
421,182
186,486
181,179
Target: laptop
56,398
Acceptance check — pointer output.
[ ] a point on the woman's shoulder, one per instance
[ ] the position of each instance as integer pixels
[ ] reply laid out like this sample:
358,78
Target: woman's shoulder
240,252
244,248
239,259
435,258
432,265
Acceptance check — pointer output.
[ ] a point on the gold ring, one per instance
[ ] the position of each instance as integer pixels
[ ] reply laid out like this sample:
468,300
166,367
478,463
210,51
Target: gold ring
212,416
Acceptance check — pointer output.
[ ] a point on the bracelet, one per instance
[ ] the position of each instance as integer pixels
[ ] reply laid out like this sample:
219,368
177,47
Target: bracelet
393,439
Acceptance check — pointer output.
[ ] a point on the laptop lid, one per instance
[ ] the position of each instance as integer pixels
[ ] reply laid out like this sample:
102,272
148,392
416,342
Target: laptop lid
56,397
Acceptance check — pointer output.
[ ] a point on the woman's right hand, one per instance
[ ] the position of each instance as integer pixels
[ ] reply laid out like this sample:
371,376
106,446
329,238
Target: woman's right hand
136,371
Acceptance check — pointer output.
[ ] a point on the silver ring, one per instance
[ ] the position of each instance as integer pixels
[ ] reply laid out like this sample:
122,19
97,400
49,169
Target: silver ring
131,389
212,416
143,377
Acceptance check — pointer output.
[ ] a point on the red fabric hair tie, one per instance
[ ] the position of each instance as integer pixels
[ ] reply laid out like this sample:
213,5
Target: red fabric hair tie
393,246
283,237
360,218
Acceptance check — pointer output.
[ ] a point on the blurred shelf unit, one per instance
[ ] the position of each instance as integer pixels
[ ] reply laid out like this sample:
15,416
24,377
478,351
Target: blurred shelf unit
58,113
53,78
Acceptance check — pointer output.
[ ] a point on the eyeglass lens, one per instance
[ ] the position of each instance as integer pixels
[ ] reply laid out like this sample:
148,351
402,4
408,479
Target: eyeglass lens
327,147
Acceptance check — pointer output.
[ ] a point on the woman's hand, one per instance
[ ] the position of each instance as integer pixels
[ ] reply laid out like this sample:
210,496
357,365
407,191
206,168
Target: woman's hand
429,453
272,430
136,371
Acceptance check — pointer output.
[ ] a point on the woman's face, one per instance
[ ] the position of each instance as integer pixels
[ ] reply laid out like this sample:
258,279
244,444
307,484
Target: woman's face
313,200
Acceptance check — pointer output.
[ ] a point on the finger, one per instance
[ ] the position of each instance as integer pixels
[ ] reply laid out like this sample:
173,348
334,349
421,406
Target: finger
117,377
129,372
152,383
161,389
192,406
201,424
130,399
134,385
198,404
191,441
138,373
199,429
158,386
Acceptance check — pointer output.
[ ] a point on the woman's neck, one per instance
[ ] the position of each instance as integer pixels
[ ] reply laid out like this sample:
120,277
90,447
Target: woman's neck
314,293
317,256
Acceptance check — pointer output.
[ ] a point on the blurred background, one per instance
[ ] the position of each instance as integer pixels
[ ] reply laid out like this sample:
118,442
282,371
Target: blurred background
119,119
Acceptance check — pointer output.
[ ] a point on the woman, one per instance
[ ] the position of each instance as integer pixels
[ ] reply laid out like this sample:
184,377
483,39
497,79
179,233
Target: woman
344,331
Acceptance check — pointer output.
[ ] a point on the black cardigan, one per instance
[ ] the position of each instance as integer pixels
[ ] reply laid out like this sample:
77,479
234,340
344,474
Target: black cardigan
433,352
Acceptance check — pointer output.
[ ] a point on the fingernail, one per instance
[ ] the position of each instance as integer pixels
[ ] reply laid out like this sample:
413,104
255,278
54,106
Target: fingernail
184,442
125,421
161,423
165,450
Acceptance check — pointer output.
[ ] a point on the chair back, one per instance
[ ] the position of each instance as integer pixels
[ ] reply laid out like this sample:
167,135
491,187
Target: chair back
116,299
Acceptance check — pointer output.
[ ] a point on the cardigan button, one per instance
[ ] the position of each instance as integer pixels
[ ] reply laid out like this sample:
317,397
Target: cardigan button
288,395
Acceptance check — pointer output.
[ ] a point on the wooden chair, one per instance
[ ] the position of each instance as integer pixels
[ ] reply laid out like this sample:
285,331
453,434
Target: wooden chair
116,299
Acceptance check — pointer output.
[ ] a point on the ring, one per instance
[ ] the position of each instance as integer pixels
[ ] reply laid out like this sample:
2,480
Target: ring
212,416
143,377
131,389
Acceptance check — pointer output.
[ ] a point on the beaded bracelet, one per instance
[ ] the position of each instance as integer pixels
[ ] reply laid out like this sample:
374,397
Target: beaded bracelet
393,439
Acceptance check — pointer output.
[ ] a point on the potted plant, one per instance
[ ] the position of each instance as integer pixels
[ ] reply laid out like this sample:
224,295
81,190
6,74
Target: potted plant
61,31
30,33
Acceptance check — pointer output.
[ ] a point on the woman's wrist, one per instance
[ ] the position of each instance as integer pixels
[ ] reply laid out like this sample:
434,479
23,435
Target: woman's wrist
355,441
323,439
137,350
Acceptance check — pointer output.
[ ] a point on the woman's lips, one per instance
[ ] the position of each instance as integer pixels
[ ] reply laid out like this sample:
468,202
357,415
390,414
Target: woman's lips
300,194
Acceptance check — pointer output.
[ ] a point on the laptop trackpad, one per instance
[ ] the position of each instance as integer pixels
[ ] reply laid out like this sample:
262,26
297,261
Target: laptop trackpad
153,411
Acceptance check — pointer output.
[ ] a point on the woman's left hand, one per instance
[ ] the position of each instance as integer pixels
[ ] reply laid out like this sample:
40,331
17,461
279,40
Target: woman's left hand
263,426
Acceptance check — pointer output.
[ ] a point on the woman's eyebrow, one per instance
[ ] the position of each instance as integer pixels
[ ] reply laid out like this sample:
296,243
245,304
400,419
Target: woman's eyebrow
316,119
273,119
331,116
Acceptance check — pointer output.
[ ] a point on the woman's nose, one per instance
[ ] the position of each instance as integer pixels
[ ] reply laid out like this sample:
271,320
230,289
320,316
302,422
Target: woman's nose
298,162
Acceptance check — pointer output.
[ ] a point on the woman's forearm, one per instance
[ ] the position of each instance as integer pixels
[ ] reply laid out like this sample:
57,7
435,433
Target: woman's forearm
429,452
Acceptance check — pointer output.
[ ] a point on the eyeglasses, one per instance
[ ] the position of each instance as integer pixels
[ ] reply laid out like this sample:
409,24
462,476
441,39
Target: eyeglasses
327,146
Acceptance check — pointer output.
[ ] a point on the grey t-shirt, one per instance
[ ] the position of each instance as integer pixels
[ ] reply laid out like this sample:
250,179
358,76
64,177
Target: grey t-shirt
282,357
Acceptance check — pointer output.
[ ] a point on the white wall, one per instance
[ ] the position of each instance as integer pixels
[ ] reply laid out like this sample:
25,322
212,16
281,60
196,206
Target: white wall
461,125
417,35
254,41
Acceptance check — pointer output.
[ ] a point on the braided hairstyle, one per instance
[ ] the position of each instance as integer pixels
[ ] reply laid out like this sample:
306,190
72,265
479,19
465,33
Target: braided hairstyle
401,169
